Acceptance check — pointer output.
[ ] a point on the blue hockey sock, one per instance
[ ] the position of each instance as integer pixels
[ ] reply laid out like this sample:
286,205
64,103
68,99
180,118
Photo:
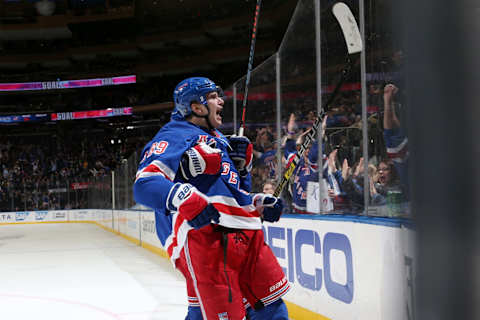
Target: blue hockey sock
194,313
275,311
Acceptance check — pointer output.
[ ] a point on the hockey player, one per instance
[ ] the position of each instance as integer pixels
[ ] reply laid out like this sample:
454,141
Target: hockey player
207,221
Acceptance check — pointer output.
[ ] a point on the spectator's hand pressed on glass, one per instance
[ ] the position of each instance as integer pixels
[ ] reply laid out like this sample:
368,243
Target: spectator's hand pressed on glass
345,169
292,126
389,91
331,160
301,137
373,190
359,168
324,125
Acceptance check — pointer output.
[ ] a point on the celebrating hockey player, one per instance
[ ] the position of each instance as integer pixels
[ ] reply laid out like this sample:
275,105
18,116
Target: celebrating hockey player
206,219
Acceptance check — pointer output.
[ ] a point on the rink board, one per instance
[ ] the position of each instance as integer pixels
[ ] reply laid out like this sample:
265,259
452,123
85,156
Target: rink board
340,267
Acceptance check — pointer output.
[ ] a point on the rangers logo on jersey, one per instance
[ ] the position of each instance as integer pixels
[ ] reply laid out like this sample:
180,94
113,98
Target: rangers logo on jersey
210,141
223,316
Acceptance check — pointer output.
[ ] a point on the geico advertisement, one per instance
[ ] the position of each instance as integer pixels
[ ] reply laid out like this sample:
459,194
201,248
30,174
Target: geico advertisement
345,269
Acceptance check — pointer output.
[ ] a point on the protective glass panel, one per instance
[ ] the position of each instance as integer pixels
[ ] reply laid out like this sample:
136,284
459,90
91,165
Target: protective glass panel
132,163
298,103
333,183
124,180
58,190
386,110
100,192
260,120
343,138
228,126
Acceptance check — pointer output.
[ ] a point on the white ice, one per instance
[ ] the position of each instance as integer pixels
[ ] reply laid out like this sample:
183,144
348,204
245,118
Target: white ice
80,271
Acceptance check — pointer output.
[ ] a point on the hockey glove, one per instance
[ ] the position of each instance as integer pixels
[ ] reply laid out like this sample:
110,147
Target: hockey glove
200,159
241,152
272,206
192,205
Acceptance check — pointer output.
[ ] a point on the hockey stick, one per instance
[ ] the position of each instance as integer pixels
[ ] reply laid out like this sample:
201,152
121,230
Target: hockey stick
354,44
250,64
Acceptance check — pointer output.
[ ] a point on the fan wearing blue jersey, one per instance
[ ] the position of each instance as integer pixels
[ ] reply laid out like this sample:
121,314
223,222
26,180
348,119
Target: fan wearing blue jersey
393,172
396,140
208,222
306,169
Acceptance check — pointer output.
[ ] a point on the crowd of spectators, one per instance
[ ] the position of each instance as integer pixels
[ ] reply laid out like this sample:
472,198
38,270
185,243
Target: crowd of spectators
39,176
56,175
342,174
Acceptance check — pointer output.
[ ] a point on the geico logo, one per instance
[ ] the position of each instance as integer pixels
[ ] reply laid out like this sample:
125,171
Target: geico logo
301,250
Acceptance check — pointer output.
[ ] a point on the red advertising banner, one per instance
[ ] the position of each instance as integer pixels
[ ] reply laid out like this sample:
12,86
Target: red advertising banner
79,185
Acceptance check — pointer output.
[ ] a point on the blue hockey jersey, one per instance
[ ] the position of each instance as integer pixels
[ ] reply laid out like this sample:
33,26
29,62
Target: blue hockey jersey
306,170
157,173
397,150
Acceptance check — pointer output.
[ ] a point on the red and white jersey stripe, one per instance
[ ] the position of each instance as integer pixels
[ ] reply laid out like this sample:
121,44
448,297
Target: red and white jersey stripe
156,168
